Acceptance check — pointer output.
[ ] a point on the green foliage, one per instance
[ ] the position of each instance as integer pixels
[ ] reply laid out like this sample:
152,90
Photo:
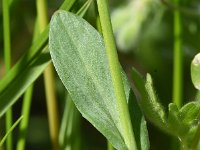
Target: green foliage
149,100
87,64
181,123
69,136
187,119
79,56
138,123
13,91
27,69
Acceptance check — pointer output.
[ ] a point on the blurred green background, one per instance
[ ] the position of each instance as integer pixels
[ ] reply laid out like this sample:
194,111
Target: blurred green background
144,37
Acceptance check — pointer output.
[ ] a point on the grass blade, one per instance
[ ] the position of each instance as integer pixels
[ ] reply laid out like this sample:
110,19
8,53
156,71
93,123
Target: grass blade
24,79
28,59
10,130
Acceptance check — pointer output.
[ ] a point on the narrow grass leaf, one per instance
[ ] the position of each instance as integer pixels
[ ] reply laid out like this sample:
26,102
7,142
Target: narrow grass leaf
138,123
10,130
84,8
30,58
33,52
69,136
13,91
137,117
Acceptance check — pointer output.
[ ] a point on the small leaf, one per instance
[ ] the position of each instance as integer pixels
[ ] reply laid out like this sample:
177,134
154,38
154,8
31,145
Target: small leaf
174,121
195,71
187,121
189,114
154,100
149,100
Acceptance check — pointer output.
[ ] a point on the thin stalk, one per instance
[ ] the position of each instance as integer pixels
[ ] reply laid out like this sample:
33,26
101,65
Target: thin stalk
98,24
115,73
70,136
51,105
49,81
9,121
7,57
26,105
24,123
10,130
178,59
81,12
178,65
6,29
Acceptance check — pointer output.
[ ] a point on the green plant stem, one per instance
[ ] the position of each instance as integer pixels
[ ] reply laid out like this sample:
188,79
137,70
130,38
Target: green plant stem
178,60
7,57
26,105
51,105
24,123
49,81
10,130
6,31
81,12
70,136
8,126
115,73
178,65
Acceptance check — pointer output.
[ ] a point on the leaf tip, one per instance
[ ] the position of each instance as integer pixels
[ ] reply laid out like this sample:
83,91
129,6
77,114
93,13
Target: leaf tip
195,71
196,60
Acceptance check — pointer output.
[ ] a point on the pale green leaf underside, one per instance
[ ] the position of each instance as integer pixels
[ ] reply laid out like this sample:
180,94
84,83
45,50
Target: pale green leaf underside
76,51
195,71
79,56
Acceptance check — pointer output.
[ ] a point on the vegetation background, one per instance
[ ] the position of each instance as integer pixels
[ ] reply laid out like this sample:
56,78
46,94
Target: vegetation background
144,36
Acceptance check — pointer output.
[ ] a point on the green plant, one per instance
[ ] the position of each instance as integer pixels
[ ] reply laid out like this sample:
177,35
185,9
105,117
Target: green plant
96,84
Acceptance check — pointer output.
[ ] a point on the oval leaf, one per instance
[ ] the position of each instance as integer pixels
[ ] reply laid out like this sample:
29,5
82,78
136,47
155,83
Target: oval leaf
79,56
